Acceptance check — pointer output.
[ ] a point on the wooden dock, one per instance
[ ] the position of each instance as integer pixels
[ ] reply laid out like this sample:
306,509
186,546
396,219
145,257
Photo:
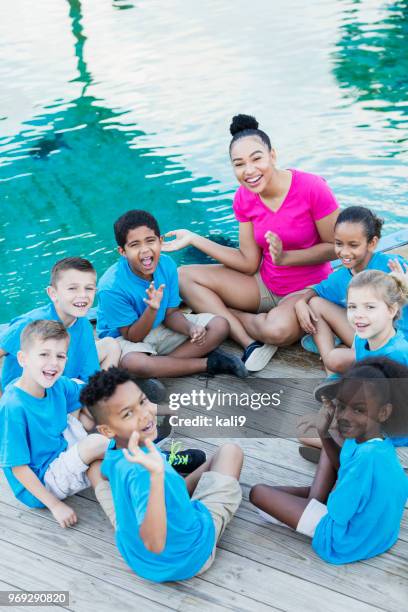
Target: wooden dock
258,566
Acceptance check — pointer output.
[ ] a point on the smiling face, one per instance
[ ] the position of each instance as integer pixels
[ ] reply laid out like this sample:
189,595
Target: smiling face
360,411
126,411
142,250
352,247
369,315
253,163
73,294
43,362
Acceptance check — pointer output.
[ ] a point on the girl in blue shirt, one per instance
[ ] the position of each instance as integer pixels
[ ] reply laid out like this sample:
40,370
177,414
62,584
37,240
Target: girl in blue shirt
322,311
353,509
374,304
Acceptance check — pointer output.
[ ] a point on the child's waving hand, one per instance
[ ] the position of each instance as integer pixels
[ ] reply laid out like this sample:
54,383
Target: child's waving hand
152,460
154,296
400,270
325,417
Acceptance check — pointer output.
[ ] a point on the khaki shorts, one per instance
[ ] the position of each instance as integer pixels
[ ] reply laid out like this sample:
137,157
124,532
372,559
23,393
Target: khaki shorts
221,494
66,475
269,299
162,340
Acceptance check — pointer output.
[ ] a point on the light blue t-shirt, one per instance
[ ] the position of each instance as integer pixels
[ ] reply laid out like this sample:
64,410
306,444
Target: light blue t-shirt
82,359
31,430
365,508
396,349
121,293
190,535
334,287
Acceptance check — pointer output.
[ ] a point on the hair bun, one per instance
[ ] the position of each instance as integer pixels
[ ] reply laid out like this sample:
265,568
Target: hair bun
243,122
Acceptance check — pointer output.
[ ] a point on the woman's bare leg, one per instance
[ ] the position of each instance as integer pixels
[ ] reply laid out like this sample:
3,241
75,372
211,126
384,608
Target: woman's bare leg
279,326
216,289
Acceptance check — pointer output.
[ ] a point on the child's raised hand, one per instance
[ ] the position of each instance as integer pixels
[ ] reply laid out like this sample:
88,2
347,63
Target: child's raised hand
152,460
154,296
182,240
64,515
400,270
306,317
325,417
197,334
275,247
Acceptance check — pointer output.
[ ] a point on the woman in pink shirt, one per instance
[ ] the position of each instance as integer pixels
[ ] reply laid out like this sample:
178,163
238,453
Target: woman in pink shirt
286,220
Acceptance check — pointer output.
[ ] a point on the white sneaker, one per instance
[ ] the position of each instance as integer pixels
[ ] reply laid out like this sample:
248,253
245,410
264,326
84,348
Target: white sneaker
259,357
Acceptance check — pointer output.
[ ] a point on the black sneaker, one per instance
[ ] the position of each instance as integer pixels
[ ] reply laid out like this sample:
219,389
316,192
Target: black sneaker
219,362
186,461
153,388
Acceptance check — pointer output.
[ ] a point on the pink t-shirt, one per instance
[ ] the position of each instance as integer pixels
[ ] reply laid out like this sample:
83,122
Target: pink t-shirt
308,200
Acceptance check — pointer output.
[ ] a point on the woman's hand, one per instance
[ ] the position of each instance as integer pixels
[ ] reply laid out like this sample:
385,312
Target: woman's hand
182,240
306,317
275,247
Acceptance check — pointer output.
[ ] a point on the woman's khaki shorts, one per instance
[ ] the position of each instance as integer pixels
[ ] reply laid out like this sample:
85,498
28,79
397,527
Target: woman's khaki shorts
162,340
221,494
269,299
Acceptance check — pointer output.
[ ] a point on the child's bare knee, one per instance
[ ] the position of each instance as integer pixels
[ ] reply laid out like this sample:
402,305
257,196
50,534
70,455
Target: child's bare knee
220,325
96,444
317,304
232,451
139,363
255,493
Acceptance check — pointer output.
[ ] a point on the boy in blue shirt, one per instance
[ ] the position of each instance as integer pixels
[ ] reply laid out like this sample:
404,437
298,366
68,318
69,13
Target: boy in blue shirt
139,304
162,533
45,452
72,292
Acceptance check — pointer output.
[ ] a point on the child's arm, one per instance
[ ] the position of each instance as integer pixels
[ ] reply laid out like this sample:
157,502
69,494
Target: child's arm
176,321
305,314
140,328
62,513
324,420
153,530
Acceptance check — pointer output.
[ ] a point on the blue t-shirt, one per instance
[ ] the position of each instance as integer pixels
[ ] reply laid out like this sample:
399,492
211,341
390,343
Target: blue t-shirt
396,349
365,508
121,293
31,430
334,287
190,535
82,359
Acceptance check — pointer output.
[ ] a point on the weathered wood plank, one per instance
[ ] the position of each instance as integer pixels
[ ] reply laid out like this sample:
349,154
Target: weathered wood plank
97,557
238,575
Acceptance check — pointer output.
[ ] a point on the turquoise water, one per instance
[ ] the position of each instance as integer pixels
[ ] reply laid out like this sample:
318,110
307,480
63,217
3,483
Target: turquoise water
108,106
